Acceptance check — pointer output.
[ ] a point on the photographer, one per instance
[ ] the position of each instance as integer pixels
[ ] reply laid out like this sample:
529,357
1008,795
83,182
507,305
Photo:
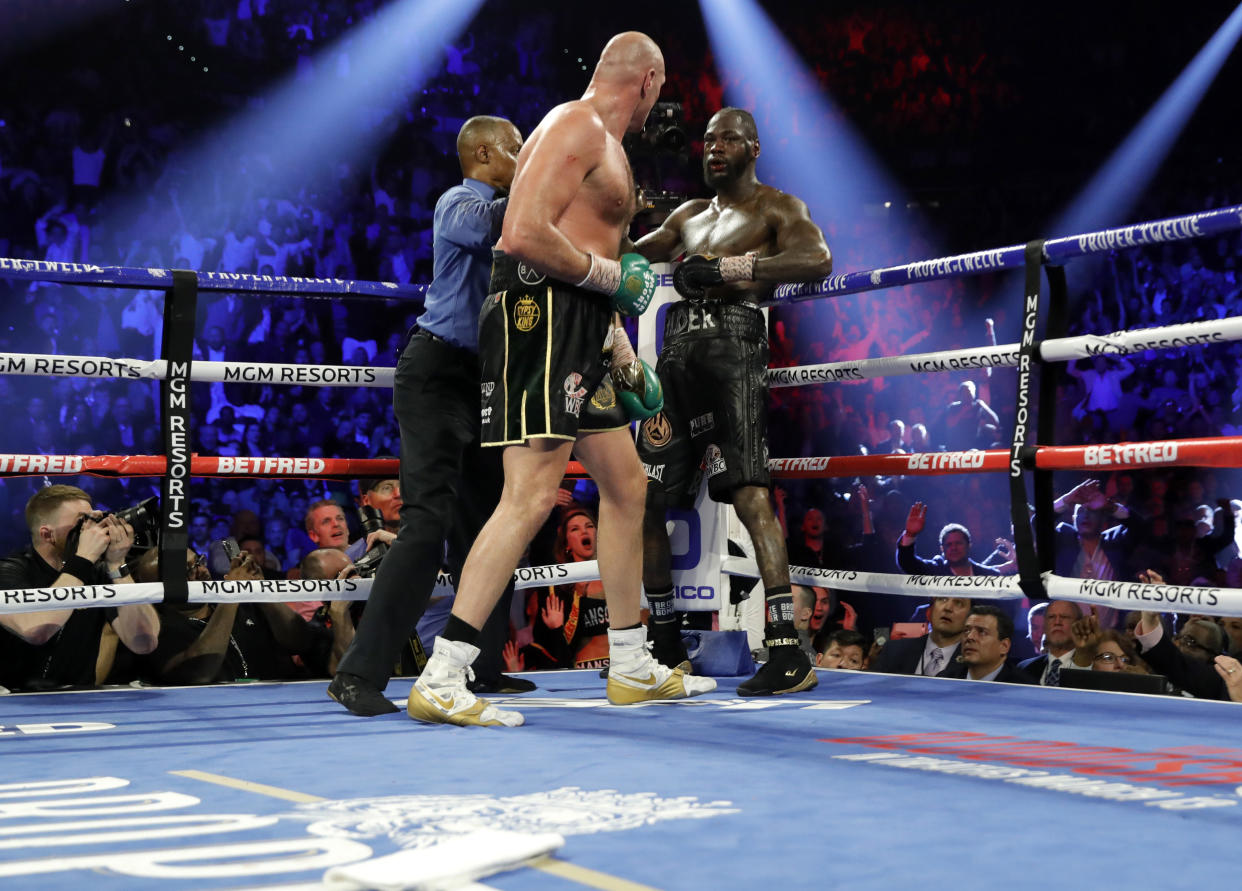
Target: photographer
72,545
206,643
337,616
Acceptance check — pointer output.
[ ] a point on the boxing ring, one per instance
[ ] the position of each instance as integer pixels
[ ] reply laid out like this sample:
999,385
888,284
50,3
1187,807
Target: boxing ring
869,780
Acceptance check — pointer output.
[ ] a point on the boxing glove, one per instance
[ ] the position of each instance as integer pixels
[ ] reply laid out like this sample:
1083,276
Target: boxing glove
630,282
697,273
638,390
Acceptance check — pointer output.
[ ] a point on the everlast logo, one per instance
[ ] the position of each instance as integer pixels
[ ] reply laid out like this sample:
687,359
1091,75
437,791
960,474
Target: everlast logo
525,314
654,471
685,318
657,431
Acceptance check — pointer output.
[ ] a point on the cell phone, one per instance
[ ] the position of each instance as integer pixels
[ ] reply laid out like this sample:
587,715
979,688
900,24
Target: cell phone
231,548
880,635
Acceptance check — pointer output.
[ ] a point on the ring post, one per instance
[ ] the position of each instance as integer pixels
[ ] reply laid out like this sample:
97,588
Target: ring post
178,348
1021,455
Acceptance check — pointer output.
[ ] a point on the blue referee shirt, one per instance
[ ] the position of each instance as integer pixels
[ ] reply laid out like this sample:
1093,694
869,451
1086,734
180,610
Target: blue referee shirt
467,224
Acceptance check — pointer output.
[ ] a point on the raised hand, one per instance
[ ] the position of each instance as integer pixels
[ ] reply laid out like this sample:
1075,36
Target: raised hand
553,612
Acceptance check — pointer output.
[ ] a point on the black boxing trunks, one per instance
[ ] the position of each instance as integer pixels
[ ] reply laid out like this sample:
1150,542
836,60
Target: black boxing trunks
713,367
540,356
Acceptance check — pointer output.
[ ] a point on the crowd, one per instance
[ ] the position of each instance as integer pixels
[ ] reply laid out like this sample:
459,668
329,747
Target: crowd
78,154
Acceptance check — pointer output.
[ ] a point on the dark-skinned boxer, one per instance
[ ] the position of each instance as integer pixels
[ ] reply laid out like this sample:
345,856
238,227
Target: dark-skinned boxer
713,368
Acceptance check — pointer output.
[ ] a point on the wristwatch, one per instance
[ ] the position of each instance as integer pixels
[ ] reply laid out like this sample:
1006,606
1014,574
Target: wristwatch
118,573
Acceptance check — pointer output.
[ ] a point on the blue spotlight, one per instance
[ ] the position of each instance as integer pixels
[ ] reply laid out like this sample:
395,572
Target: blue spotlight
1117,187
360,78
808,148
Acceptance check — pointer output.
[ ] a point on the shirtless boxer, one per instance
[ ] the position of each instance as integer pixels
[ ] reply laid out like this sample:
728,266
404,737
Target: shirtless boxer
713,366
556,281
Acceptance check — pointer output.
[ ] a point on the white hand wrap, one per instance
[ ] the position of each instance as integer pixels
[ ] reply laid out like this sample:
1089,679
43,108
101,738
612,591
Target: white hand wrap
604,276
622,349
738,269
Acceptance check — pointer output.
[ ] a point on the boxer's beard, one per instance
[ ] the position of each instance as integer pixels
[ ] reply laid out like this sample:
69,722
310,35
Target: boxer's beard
715,178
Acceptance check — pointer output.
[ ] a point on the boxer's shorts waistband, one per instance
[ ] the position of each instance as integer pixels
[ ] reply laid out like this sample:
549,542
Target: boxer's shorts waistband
688,320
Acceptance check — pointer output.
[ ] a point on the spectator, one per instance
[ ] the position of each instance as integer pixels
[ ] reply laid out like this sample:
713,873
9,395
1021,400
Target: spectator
1086,549
1058,643
933,653
808,548
842,649
985,647
969,423
954,556
385,497
1191,661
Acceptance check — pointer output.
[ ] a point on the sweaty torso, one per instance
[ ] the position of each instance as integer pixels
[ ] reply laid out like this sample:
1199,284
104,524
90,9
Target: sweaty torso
600,211
717,230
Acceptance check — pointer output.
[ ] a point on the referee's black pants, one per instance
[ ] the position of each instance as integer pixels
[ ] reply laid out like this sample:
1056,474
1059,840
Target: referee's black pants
449,488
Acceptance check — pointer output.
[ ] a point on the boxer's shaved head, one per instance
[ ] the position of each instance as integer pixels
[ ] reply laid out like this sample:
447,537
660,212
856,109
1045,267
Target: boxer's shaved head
627,55
739,119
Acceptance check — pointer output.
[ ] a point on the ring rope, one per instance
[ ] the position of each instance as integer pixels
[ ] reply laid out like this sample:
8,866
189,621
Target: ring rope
1055,251
132,277
21,600
211,466
202,371
1063,349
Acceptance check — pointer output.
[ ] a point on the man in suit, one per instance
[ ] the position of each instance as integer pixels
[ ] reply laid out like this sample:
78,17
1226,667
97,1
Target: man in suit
933,653
985,648
1059,618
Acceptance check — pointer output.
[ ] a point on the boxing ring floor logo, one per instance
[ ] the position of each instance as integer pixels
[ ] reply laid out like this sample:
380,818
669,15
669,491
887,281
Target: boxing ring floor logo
1157,779
101,818
419,821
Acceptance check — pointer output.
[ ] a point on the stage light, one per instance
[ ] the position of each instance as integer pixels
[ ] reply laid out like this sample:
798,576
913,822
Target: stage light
1117,187
301,128
807,146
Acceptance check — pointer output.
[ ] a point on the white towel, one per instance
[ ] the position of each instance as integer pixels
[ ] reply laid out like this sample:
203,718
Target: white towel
448,864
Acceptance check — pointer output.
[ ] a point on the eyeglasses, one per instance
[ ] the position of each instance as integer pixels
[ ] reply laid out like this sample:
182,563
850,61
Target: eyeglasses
1187,641
1110,658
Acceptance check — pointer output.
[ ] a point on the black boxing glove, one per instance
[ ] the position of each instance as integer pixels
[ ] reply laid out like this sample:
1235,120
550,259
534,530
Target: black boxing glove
697,273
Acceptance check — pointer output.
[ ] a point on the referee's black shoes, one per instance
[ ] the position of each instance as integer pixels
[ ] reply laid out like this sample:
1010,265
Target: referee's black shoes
360,696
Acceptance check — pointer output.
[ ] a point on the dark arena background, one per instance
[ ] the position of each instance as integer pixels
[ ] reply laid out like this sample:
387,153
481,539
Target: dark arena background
295,150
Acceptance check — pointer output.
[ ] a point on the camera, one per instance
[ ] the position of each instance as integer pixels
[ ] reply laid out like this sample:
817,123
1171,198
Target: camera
665,132
372,521
143,518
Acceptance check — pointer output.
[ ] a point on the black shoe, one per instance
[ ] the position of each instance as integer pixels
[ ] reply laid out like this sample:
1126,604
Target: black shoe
360,696
788,670
603,672
668,648
503,684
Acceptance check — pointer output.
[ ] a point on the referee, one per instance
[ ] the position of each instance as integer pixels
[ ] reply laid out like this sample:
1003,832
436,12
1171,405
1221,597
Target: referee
449,486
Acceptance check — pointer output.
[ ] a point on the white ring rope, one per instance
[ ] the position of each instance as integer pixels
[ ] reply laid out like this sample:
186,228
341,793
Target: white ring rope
24,600
1062,349
200,371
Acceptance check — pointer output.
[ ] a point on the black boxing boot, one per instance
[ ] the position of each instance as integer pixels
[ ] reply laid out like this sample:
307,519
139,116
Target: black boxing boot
664,632
788,670
360,696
